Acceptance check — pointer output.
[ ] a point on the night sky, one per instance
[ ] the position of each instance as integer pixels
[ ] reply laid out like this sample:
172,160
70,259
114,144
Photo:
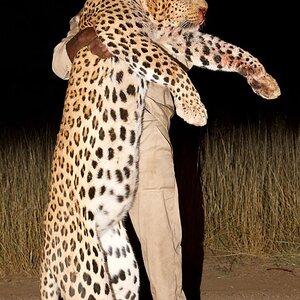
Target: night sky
33,95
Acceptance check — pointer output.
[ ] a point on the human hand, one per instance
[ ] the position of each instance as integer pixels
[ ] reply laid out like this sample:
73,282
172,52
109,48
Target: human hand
87,37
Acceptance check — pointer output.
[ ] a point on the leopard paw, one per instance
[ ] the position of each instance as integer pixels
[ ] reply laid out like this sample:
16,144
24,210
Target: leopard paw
265,86
194,115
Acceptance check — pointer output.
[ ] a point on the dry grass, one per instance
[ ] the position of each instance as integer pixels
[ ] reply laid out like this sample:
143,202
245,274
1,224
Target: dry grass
250,180
24,169
251,185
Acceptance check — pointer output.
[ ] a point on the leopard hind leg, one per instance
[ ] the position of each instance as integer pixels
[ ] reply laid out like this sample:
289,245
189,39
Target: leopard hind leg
121,262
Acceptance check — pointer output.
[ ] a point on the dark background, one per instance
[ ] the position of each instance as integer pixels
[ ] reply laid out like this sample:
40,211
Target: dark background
33,96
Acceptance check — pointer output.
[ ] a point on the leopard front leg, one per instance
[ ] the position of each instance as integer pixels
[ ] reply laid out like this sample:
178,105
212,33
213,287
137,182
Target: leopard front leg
152,64
210,52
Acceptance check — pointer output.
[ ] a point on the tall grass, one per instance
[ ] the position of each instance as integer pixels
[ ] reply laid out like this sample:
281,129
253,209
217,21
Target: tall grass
24,171
250,179
251,186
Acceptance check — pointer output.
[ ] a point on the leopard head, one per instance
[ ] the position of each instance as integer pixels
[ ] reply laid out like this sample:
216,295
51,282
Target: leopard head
178,13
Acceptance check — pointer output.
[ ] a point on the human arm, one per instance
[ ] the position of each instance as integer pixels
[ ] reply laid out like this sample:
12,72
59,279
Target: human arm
66,50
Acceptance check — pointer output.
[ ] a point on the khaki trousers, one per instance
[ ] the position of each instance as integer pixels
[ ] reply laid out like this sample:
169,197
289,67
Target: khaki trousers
155,213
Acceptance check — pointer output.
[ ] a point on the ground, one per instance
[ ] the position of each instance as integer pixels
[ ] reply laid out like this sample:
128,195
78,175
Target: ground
252,279
223,278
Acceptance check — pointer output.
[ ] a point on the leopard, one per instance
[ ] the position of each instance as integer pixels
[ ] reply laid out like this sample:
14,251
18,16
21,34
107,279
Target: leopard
94,175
